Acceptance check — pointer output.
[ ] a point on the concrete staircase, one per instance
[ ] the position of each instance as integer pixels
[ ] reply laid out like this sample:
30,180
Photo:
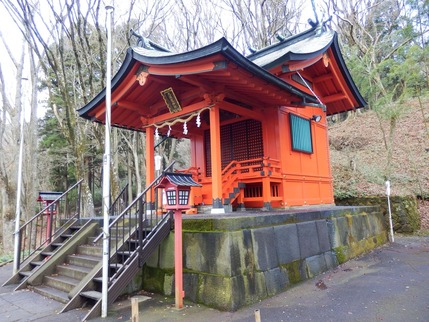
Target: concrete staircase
40,258
70,272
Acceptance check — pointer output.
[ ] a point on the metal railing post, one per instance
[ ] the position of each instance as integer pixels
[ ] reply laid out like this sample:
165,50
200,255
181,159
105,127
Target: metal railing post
140,229
19,255
79,201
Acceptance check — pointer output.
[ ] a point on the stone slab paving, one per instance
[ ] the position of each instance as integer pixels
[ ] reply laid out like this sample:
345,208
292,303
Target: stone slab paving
25,305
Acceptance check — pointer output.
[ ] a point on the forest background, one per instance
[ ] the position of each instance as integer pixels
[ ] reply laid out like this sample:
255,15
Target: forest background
60,65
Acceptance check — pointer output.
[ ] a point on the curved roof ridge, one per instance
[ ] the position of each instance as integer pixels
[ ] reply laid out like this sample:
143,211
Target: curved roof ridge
346,73
287,41
221,46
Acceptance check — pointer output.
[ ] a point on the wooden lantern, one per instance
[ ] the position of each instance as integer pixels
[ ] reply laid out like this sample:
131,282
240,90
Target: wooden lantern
177,187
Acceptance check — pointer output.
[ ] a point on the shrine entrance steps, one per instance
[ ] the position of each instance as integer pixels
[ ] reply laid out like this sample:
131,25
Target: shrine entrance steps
69,269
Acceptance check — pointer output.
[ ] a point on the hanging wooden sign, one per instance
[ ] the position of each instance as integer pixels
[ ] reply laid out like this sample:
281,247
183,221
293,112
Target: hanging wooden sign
171,100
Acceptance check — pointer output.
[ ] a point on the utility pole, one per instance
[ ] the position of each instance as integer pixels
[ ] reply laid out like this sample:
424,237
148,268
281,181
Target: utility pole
106,167
17,250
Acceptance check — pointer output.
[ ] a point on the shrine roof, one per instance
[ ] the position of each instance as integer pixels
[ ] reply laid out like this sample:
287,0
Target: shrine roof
200,62
300,47
181,179
255,80
307,46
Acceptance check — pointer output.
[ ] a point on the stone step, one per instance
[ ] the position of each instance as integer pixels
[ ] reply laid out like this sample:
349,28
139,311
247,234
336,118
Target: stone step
25,273
93,295
73,271
204,209
83,260
61,282
47,254
92,250
37,263
98,279
51,293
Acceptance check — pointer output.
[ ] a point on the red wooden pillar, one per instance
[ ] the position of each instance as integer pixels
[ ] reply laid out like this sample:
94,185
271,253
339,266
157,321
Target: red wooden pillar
150,165
216,160
266,193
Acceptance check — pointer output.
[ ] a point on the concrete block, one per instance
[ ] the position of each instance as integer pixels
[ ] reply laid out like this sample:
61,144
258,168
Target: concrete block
376,223
242,258
331,260
169,285
153,259
190,285
309,215
372,225
231,293
248,289
286,241
316,265
166,252
208,252
263,240
308,239
322,232
217,291
357,227
276,281
326,214
338,231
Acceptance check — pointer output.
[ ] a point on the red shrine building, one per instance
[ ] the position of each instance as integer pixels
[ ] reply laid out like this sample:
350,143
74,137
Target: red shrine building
257,124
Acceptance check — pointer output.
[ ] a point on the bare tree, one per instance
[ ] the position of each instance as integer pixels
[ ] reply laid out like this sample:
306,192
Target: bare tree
260,22
11,110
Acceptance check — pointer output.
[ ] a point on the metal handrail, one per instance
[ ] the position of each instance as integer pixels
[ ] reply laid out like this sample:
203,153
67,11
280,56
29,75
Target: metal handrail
37,231
131,223
127,209
123,196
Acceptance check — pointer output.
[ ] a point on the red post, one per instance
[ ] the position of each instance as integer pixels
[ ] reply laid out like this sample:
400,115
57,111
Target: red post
178,259
49,227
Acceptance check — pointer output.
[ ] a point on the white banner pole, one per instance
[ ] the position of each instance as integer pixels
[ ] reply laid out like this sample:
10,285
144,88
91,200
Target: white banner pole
392,238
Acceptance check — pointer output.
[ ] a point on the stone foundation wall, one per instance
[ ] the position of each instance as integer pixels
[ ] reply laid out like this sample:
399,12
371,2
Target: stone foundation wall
236,260
405,213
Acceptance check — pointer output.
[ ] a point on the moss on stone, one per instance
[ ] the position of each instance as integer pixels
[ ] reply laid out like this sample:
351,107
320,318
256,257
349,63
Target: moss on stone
405,214
199,225
216,291
341,254
294,273
153,279
381,239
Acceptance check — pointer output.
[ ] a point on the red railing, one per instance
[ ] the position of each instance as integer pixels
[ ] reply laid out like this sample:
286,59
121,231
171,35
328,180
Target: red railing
250,172
47,224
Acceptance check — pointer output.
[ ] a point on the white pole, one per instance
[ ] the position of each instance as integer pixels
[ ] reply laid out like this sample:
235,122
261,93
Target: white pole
392,238
106,166
18,188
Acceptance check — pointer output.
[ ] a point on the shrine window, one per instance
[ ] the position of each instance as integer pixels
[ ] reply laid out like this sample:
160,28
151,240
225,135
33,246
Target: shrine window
301,134
239,141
